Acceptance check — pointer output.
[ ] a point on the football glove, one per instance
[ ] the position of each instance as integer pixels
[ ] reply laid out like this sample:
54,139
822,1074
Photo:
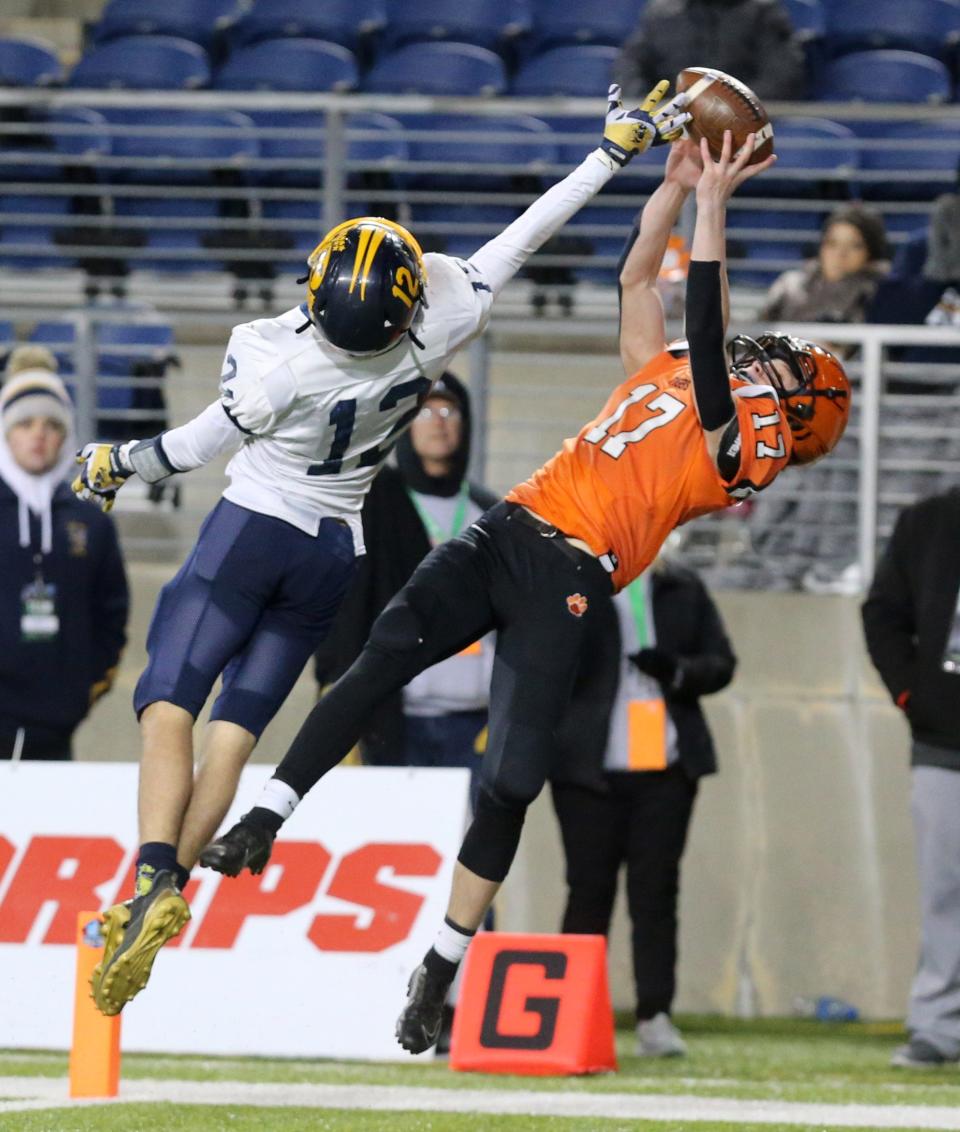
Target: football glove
104,469
629,132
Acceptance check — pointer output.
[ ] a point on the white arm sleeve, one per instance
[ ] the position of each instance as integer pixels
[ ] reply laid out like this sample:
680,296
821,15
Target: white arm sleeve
200,440
500,259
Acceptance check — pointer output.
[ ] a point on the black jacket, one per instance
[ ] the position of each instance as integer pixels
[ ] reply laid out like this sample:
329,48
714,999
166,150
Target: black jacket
688,626
907,618
750,39
45,685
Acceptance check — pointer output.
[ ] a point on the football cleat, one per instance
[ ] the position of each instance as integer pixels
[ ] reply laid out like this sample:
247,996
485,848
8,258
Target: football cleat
421,1020
134,933
246,846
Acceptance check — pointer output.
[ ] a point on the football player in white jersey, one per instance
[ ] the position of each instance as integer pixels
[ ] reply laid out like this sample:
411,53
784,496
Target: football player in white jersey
311,403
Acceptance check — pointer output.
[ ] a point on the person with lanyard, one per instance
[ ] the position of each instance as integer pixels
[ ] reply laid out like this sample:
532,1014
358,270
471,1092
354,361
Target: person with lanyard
439,718
65,601
631,749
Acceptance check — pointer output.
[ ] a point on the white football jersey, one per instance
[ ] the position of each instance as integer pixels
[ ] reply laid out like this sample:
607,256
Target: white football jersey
318,422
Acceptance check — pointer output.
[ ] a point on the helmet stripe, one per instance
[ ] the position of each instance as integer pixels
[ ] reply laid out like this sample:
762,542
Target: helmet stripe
369,241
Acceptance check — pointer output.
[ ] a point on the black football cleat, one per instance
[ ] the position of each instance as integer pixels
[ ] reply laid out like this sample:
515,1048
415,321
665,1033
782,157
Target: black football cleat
421,1020
246,846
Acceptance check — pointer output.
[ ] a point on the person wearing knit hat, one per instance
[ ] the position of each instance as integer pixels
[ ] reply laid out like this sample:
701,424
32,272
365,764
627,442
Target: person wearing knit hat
63,608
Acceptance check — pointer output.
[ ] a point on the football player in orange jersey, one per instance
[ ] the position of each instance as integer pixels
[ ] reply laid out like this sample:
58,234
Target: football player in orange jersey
683,435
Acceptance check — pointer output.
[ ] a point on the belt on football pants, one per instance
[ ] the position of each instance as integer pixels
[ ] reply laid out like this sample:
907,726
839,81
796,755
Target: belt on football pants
559,538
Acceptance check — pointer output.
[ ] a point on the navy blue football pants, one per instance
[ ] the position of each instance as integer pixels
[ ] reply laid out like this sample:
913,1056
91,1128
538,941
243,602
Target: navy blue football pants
253,600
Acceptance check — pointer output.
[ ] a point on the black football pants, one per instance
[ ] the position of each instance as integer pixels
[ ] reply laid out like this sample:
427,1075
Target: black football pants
499,574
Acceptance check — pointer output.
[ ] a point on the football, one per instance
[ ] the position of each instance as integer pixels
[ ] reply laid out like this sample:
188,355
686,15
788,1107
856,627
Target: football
720,102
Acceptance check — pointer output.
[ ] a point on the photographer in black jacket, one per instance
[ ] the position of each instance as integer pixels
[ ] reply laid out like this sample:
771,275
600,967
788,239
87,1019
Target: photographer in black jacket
632,747
911,620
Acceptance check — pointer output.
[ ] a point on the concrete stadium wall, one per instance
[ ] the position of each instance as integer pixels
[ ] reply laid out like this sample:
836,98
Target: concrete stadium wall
799,874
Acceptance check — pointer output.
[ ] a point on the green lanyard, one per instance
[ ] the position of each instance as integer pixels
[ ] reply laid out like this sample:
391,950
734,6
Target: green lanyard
636,591
437,535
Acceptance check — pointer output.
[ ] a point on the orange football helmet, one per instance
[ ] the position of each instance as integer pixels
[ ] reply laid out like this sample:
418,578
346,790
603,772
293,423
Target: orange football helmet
818,408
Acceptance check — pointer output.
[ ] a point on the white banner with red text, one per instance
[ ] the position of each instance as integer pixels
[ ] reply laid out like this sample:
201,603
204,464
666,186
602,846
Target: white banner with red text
309,959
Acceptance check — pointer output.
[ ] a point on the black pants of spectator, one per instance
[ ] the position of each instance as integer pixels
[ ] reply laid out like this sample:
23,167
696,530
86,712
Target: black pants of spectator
38,743
642,821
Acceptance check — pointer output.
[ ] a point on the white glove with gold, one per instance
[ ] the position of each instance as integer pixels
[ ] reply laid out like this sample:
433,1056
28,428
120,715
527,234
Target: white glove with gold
104,469
629,132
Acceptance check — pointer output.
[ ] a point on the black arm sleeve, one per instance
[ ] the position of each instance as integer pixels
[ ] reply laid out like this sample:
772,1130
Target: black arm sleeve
708,362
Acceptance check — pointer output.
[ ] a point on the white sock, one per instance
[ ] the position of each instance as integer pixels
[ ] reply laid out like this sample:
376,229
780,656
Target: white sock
452,942
279,797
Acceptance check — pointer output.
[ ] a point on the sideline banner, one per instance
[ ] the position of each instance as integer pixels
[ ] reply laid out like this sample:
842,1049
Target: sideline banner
309,959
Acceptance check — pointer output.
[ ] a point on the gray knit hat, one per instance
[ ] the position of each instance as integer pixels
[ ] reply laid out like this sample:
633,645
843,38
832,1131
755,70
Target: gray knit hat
35,393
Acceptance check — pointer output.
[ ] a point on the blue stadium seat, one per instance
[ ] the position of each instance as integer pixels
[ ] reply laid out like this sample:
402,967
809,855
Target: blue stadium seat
37,219
293,146
480,146
135,342
28,61
200,21
302,221
176,146
598,233
60,337
289,64
921,155
438,68
814,156
911,255
485,23
885,76
565,22
143,62
808,18
458,231
931,27
150,220
36,147
345,22
576,71
773,234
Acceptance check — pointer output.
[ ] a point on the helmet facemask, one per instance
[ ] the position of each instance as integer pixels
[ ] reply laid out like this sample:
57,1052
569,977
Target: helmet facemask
817,375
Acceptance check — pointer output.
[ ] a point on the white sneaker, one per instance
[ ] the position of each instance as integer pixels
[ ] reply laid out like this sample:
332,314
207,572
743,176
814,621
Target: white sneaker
658,1037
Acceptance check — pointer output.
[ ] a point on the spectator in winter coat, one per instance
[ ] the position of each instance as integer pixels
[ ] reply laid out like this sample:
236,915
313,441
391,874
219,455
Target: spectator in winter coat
64,601
632,747
911,619
752,40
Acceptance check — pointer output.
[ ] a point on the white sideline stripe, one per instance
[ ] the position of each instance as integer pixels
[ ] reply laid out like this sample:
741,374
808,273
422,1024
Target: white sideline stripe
46,1092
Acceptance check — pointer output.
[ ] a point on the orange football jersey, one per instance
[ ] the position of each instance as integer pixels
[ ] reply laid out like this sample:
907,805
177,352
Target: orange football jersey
641,467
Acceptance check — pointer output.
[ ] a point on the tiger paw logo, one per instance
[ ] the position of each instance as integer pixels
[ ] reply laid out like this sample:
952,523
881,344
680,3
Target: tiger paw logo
577,604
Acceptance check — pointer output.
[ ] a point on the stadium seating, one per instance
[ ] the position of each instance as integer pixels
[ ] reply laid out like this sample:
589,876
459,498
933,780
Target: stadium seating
885,76
484,23
37,220
808,18
38,146
143,62
289,64
457,152
293,146
443,227
176,146
28,62
582,71
341,21
931,27
559,23
908,160
200,21
815,157
438,68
